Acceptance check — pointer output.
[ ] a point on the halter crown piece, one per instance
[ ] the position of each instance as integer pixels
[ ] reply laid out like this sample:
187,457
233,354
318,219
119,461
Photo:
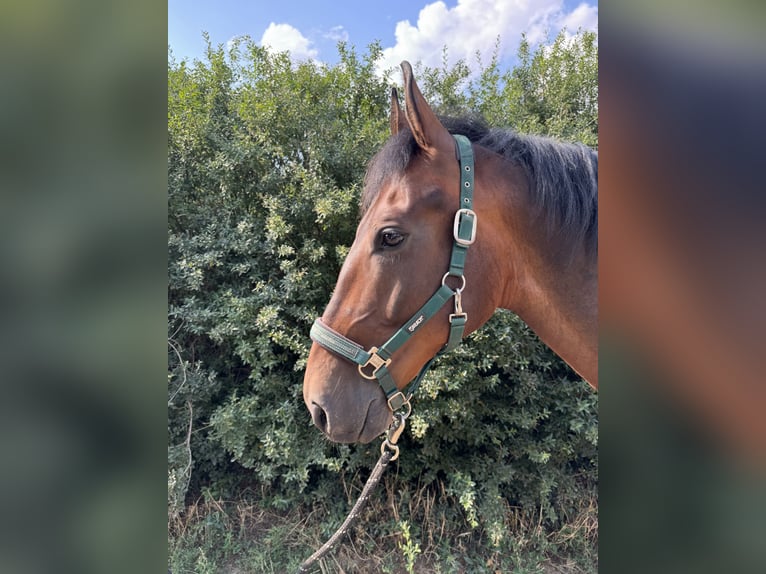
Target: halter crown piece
373,363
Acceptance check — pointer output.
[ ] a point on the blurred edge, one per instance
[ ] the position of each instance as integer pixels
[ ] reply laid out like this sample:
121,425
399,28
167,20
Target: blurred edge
682,282
83,253
82,213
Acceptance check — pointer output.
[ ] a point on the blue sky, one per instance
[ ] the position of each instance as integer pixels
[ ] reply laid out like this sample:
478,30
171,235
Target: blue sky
408,29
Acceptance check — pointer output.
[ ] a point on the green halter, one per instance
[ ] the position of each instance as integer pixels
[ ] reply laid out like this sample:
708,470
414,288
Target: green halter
373,363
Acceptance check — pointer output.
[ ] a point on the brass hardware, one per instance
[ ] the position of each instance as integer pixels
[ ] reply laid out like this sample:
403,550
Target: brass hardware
405,403
376,361
394,432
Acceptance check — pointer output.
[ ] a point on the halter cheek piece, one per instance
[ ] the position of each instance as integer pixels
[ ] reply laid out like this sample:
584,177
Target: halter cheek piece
373,363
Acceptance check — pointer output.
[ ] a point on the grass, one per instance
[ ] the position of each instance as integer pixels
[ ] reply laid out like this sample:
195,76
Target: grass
420,533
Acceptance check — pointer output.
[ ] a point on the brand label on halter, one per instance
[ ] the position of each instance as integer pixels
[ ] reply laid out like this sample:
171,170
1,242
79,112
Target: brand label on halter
415,325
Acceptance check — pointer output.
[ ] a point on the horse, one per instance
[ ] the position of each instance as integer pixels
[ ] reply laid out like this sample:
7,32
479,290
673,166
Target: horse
525,241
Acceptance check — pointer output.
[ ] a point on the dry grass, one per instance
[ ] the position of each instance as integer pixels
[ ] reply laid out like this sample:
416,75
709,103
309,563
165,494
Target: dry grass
243,537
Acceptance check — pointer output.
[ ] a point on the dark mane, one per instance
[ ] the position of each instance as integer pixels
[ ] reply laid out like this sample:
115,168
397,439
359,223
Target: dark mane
563,177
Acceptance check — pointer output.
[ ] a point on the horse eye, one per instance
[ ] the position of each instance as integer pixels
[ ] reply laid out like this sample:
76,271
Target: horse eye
391,238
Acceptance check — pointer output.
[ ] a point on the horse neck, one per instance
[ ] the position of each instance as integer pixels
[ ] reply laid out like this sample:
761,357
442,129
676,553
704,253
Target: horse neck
561,306
556,296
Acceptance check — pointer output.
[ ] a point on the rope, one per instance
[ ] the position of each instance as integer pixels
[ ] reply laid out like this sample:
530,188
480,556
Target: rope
388,452
372,482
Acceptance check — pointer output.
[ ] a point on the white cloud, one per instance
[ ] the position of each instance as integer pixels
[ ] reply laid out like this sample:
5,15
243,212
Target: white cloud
585,16
337,34
281,37
476,24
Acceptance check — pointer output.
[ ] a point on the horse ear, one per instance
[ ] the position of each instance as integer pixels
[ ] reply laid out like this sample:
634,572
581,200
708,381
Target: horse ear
397,120
429,132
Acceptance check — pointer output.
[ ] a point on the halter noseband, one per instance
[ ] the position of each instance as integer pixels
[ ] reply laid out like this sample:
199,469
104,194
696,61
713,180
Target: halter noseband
373,363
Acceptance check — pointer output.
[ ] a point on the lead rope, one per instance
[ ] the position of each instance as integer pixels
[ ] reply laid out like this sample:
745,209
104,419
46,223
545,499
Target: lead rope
389,451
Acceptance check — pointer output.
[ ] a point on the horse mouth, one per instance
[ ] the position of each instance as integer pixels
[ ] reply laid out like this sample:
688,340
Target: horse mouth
371,428
358,418
366,435
376,421
360,438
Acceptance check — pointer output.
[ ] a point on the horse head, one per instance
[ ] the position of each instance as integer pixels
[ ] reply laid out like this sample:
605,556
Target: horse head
398,260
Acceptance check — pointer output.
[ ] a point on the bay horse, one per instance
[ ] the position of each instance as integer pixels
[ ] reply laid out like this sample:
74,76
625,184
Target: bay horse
526,241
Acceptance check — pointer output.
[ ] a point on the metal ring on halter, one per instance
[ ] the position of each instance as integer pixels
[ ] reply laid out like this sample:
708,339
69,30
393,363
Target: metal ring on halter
448,274
405,404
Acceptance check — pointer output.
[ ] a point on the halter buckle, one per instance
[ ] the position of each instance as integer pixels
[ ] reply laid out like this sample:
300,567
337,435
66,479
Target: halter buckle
376,361
456,226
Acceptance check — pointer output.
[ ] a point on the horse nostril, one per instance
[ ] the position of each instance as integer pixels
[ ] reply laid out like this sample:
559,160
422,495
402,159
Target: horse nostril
318,416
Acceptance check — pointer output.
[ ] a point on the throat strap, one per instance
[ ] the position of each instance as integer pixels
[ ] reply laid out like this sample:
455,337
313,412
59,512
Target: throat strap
373,363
